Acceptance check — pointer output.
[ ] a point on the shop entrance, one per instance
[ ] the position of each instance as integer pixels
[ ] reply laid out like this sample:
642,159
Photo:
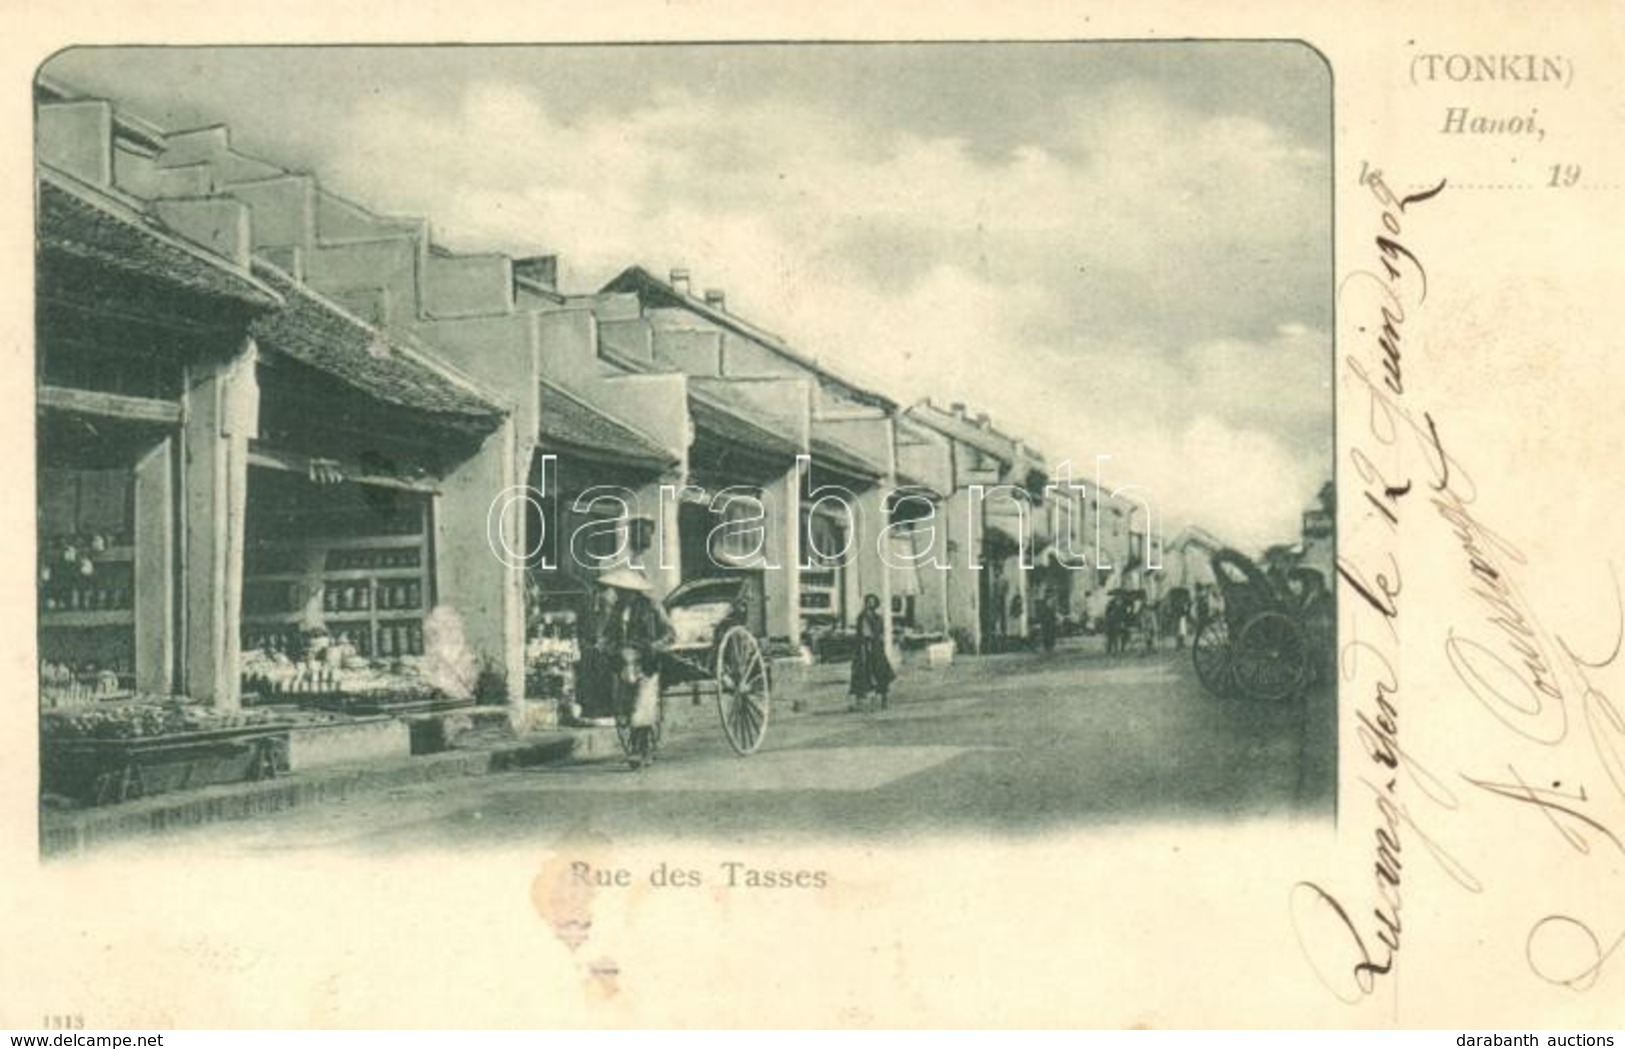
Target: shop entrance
337,578
105,558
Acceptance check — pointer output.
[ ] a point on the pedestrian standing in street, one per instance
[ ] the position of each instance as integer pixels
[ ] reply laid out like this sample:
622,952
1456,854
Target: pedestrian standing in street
1116,622
1148,625
1044,607
635,632
871,670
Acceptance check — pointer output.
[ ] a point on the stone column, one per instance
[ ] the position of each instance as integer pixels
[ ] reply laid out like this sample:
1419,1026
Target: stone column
931,605
484,589
1021,578
962,590
872,575
781,583
222,413
663,560
154,598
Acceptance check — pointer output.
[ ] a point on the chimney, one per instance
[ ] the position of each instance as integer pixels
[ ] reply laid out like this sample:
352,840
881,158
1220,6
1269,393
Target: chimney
679,281
717,299
984,420
958,409
542,270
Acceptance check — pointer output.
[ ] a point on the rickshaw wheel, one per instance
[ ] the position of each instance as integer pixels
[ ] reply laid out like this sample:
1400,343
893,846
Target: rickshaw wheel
744,693
1272,657
1211,652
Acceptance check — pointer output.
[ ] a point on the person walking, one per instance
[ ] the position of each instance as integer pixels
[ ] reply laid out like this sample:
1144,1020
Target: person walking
635,631
871,669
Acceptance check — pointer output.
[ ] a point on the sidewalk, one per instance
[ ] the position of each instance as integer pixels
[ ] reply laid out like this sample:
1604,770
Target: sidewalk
799,692
69,831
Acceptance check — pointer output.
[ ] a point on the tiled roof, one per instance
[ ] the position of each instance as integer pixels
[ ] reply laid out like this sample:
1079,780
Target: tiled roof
829,451
712,413
907,478
81,222
660,293
391,367
569,422
991,441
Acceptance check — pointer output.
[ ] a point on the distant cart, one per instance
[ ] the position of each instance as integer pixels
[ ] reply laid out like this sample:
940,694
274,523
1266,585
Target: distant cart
1262,642
715,651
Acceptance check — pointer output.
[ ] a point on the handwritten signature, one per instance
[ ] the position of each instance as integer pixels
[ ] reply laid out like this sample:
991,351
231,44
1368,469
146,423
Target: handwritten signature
1526,676
1378,720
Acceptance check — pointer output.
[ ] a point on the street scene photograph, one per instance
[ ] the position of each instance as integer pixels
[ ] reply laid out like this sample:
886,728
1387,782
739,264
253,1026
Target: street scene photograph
459,446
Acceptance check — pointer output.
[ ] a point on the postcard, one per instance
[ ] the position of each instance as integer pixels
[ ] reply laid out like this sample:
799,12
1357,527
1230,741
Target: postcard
689,516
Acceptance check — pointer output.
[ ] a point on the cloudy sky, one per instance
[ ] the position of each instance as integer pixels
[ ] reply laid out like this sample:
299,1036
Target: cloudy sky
1114,249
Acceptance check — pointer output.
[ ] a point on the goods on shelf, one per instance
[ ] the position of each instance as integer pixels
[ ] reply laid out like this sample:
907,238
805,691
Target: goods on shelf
551,656
85,573
351,560
365,596
64,685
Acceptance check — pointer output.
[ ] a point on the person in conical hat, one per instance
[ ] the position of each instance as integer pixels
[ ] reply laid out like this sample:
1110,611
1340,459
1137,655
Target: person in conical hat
635,631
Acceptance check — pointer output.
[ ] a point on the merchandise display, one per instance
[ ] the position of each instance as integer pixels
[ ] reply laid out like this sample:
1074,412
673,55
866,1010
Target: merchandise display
334,592
86,589
158,717
551,656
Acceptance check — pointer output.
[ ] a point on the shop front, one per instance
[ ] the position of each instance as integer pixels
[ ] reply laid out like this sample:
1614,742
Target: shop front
594,502
734,517
144,400
916,563
142,340
343,595
845,517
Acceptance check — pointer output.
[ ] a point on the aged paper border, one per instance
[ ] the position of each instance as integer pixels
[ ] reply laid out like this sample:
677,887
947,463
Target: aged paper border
1157,926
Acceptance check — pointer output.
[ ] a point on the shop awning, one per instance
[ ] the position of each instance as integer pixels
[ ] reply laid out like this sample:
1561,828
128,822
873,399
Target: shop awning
80,222
571,424
391,367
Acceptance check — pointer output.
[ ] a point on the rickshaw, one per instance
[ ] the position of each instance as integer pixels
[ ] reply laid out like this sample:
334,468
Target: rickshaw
1257,646
714,650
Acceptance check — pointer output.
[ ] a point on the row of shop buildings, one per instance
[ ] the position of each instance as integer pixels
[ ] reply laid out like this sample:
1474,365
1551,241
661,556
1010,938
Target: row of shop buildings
264,410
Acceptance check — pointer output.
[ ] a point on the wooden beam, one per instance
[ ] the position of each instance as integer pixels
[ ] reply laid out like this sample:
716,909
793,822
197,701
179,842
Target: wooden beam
110,405
274,459
151,312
